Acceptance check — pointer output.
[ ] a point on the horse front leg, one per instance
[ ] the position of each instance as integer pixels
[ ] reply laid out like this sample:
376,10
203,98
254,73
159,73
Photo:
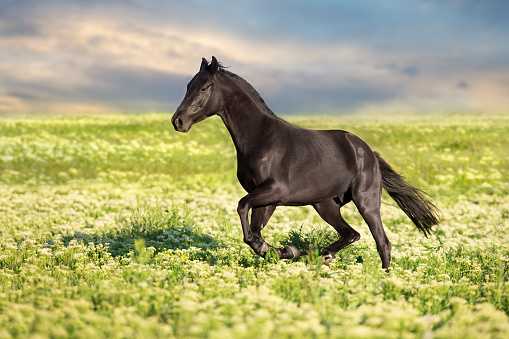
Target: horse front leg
259,218
262,201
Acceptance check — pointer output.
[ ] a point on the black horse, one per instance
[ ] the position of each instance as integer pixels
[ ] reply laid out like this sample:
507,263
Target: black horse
279,164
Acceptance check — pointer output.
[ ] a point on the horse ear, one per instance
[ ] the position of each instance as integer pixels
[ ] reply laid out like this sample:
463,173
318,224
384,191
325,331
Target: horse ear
214,65
204,64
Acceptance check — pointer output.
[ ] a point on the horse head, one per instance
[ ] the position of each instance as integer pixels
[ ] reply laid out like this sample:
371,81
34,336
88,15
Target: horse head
202,99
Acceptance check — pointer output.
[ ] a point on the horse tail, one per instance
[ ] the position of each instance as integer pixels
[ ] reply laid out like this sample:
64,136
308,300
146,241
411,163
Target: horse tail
416,204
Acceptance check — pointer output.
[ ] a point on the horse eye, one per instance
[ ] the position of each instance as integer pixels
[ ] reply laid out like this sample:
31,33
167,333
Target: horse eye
206,87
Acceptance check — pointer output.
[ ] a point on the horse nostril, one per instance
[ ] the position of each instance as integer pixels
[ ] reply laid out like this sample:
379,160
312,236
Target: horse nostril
178,123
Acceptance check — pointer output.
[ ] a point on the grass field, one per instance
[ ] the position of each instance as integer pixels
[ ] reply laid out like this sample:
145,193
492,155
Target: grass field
115,226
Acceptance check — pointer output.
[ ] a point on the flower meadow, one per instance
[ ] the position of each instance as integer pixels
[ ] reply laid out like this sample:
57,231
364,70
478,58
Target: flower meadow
115,226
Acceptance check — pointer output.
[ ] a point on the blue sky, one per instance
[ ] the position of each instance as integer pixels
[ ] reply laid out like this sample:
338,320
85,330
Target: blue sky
302,56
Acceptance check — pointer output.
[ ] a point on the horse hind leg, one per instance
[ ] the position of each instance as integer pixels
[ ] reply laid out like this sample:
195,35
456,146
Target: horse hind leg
330,212
368,203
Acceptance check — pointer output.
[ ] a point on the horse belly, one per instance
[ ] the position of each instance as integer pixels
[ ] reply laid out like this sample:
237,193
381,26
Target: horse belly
310,186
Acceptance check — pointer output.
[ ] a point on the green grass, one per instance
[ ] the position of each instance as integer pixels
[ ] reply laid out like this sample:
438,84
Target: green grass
117,226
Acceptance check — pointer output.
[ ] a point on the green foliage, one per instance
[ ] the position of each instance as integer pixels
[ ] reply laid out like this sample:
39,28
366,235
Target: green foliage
107,148
115,226
314,240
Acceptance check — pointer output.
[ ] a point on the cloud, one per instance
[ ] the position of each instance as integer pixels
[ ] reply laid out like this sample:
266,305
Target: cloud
300,55
112,65
462,84
411,71
108,87
159,88
18,28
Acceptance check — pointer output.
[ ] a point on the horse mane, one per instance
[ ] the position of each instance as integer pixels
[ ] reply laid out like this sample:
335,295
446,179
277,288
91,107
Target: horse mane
246,86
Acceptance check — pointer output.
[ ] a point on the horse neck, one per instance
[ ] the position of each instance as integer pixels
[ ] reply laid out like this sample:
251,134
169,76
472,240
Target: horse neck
245,117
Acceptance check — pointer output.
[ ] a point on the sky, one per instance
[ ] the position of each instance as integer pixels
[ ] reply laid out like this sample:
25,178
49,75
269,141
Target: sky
347,56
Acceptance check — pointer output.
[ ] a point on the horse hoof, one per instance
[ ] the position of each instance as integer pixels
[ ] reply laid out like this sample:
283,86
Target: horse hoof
289,252
327,259
264,249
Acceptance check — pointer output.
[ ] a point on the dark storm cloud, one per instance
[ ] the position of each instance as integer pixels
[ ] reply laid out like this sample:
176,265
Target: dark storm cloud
411,71
124,85
23,95
463,84
319,98
19,28
114,87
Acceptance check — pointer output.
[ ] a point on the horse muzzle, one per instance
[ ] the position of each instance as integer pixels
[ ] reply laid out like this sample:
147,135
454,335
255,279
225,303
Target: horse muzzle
179,124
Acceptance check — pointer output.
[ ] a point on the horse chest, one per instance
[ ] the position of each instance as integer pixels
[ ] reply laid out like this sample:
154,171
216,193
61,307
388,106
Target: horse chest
252,171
